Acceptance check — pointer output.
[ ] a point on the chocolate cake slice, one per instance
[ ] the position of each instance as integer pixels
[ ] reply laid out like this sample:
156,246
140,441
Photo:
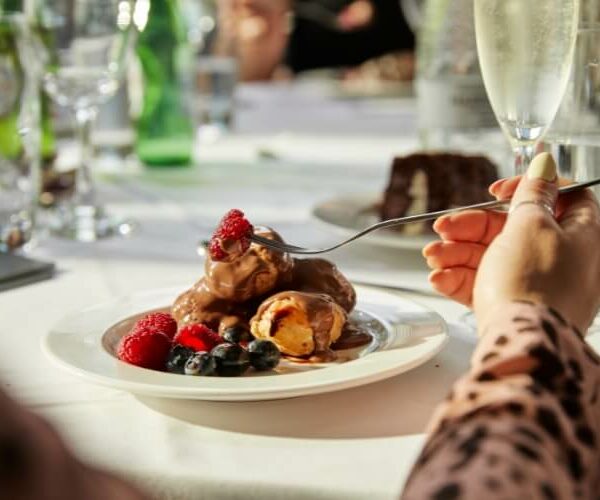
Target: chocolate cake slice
426,182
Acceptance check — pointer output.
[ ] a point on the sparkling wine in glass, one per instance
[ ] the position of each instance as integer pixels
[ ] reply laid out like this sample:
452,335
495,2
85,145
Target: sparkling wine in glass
525,50
84,45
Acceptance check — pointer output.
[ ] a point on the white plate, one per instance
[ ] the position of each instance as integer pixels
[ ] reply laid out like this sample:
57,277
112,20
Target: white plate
351,213
406,335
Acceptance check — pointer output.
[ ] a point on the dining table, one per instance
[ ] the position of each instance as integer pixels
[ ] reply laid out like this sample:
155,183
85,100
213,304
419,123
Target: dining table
293,145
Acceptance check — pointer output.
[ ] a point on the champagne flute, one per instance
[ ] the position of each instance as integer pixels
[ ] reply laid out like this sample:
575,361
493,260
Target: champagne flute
84,46
525,51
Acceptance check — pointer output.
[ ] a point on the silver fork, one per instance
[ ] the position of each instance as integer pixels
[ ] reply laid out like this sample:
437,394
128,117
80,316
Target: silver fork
488,205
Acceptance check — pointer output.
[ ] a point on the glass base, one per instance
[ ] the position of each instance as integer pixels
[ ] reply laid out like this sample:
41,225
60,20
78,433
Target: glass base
210,133
88,223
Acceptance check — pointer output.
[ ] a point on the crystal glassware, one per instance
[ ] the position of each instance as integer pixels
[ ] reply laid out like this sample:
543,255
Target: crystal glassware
574,138
525,51
211,29
19,134
83,46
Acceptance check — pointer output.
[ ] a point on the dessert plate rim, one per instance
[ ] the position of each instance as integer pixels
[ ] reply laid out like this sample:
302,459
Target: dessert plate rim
341,213
75,345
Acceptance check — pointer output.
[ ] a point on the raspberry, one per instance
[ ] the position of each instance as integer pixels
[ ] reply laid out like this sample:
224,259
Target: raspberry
232,236
145,347
160,321
216,252
198,337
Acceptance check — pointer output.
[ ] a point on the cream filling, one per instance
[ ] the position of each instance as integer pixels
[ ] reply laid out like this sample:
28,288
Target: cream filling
419,192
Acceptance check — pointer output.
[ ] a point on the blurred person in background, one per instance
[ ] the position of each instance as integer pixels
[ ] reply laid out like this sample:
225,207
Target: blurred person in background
302,35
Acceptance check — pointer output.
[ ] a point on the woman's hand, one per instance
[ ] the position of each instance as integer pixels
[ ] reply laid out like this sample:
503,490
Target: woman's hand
488,258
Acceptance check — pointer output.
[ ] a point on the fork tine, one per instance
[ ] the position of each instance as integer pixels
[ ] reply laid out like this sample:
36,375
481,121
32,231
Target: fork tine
281,247
274,245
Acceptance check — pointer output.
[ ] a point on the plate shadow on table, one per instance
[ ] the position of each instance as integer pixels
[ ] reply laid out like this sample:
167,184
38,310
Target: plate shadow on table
189,487
399,406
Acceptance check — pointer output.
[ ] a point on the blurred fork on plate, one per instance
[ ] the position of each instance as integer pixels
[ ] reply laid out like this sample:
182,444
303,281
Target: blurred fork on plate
488,205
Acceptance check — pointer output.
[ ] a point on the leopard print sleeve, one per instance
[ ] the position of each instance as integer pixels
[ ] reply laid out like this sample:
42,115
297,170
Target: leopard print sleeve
523,423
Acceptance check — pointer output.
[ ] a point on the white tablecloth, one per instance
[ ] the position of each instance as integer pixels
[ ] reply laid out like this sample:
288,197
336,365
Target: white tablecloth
357,443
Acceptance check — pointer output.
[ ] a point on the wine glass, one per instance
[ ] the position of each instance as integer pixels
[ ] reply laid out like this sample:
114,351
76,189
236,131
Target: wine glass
20,137
84,45
525,52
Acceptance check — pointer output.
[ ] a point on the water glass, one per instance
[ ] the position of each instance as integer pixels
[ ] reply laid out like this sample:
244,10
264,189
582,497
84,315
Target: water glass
19,134
211,32
574,138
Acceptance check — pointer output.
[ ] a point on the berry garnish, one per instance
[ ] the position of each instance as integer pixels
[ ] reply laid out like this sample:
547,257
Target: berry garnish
232,360
263,354
178,357
215,250
232,237
160,321
236,334
197,337
201,363
147,348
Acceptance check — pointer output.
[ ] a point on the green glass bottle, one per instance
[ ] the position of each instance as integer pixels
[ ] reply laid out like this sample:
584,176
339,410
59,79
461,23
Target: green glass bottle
165,132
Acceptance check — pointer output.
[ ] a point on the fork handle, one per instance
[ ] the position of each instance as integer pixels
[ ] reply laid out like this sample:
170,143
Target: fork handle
488,205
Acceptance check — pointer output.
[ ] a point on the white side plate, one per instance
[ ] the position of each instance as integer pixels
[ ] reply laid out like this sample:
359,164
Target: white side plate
349,214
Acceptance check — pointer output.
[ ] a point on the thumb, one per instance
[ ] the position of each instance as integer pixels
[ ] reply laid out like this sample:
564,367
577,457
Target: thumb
538,189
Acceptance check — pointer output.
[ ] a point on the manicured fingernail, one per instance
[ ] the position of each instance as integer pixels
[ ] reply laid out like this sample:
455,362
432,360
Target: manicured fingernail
542,167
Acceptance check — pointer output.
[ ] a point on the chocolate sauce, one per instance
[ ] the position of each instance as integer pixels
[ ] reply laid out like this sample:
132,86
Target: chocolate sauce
255,273
352,336
277,320
322,276
198,305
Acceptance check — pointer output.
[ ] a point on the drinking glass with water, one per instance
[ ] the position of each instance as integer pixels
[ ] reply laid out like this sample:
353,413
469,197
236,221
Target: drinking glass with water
211,30
574,139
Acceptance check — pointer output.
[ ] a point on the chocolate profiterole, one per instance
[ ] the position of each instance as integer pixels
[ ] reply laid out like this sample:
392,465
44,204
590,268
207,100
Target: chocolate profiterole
258,271
300,324
199,305
322,276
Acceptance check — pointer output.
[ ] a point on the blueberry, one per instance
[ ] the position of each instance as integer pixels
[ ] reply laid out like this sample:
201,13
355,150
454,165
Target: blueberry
236,334
177,358
232,360
201,363
263,354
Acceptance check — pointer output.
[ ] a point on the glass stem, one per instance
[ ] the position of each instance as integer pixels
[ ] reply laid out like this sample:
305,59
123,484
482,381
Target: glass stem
84,185
523,156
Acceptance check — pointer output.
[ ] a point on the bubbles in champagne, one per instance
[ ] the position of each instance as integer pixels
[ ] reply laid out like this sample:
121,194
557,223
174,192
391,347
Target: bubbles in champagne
525,50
